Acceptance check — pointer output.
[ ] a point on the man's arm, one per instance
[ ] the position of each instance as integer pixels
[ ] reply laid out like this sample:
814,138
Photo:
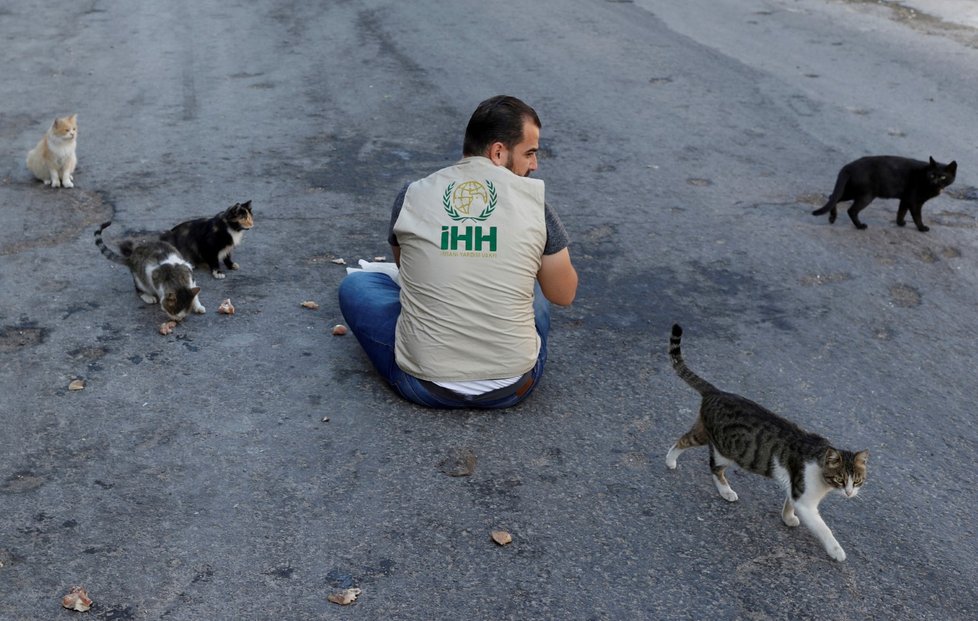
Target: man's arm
397,255
558,278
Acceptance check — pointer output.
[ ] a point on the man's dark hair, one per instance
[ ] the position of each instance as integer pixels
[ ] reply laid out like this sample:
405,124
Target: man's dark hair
497,119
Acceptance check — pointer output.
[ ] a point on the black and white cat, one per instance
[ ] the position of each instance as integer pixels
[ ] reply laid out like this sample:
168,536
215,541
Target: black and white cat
739,431
159,273
887,176
208,241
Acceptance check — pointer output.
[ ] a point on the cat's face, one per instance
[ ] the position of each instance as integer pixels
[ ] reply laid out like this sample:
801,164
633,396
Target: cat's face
66,127
240,213
845,470
178,304
942,175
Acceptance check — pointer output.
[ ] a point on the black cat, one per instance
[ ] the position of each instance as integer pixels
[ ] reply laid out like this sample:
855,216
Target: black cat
887,176
211,240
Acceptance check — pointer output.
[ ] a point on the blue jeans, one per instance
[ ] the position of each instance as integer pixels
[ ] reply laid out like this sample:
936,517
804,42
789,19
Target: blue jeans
371,303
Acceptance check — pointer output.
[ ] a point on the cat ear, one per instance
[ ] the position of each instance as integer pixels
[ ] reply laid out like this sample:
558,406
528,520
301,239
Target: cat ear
832,457
247,205
73,118
932,162
953,166
195,290
861,458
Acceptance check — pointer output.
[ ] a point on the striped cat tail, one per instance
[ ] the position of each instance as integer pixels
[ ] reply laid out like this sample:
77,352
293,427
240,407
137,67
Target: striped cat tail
676,355
109,254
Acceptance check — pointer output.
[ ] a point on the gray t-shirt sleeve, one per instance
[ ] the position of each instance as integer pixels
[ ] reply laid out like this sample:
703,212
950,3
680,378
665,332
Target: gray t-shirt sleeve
396,211
557,238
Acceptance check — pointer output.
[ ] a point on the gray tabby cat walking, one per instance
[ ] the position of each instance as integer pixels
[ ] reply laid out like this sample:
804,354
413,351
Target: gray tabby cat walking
159,273
739,431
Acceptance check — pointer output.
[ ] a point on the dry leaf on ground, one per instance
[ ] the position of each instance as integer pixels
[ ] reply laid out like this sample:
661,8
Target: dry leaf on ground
76,599
459,463
339,330
339,261
78,384
167,327
345,597
310,304
501,537
226,308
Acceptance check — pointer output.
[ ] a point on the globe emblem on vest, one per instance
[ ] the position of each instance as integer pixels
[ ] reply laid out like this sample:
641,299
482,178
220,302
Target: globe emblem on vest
469,194
463,201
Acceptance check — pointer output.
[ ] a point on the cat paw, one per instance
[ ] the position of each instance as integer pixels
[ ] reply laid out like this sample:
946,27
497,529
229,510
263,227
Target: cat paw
217,274
862,227
901,223
729,495
836,552
671,457
923,229
235,266
55,183
68,184
832,219
200,310
791,521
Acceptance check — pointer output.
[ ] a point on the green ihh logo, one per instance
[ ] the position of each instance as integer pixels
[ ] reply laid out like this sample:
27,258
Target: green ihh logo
460,202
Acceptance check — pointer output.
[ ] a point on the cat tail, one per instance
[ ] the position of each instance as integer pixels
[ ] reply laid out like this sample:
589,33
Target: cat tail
108,252
840,186
676,355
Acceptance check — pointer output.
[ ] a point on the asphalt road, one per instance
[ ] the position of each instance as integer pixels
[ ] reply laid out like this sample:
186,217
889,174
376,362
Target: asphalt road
684,145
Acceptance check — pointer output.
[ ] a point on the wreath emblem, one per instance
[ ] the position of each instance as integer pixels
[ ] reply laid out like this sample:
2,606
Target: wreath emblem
453,213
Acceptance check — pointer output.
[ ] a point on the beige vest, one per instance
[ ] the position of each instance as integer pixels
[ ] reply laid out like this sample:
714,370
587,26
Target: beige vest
471,238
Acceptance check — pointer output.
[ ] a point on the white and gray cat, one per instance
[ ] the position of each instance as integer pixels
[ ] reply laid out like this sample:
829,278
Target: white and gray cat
739,431
159,273
53,160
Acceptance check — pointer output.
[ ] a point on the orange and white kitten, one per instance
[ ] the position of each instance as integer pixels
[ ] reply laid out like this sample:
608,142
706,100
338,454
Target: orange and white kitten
53,159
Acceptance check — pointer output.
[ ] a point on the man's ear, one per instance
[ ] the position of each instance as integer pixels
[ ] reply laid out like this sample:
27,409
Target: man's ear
497,153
